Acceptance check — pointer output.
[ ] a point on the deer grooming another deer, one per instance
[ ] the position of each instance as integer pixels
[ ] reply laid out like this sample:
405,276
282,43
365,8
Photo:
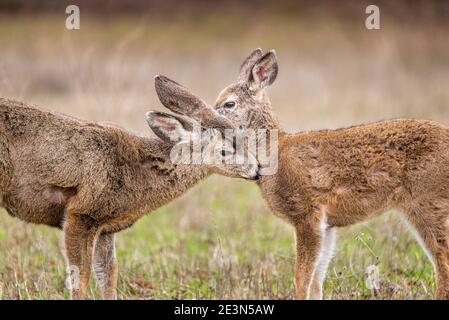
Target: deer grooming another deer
93,180
335,178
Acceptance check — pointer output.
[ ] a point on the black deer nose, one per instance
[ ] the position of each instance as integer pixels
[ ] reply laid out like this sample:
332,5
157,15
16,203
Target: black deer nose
257,176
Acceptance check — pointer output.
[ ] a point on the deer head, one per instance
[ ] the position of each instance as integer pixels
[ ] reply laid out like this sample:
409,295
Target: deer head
194,145
242,104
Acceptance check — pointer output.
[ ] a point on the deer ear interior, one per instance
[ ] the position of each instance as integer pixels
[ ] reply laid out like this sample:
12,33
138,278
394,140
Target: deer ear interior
264,71
247,65
169,128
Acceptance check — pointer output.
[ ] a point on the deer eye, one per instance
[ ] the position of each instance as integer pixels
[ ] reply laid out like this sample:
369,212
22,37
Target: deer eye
229,104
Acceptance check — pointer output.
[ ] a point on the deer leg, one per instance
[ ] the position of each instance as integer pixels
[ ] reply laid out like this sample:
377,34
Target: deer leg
79,237
433,232
309,239
326,254
106,266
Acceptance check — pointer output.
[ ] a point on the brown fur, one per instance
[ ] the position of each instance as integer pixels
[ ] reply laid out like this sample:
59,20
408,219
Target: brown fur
89,179
335,178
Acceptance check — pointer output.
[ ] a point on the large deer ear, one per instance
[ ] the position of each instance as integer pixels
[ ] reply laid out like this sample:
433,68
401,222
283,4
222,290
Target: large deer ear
169,128
181,101
247,65
264,71
176,97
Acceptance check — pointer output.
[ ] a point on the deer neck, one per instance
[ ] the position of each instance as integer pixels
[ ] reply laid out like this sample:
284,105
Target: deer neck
265,119
262,116
157,180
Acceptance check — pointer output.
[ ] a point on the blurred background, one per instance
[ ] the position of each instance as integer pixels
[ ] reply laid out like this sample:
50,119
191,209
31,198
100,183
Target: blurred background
220,240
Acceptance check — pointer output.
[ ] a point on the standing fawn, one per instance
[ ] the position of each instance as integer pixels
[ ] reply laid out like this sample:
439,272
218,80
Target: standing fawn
93,180
335,178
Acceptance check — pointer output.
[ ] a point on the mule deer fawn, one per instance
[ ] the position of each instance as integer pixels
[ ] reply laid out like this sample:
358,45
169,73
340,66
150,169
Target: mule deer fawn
93,180
335,178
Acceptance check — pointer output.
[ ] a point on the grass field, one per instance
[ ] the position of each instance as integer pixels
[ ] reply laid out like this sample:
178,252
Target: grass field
220,240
